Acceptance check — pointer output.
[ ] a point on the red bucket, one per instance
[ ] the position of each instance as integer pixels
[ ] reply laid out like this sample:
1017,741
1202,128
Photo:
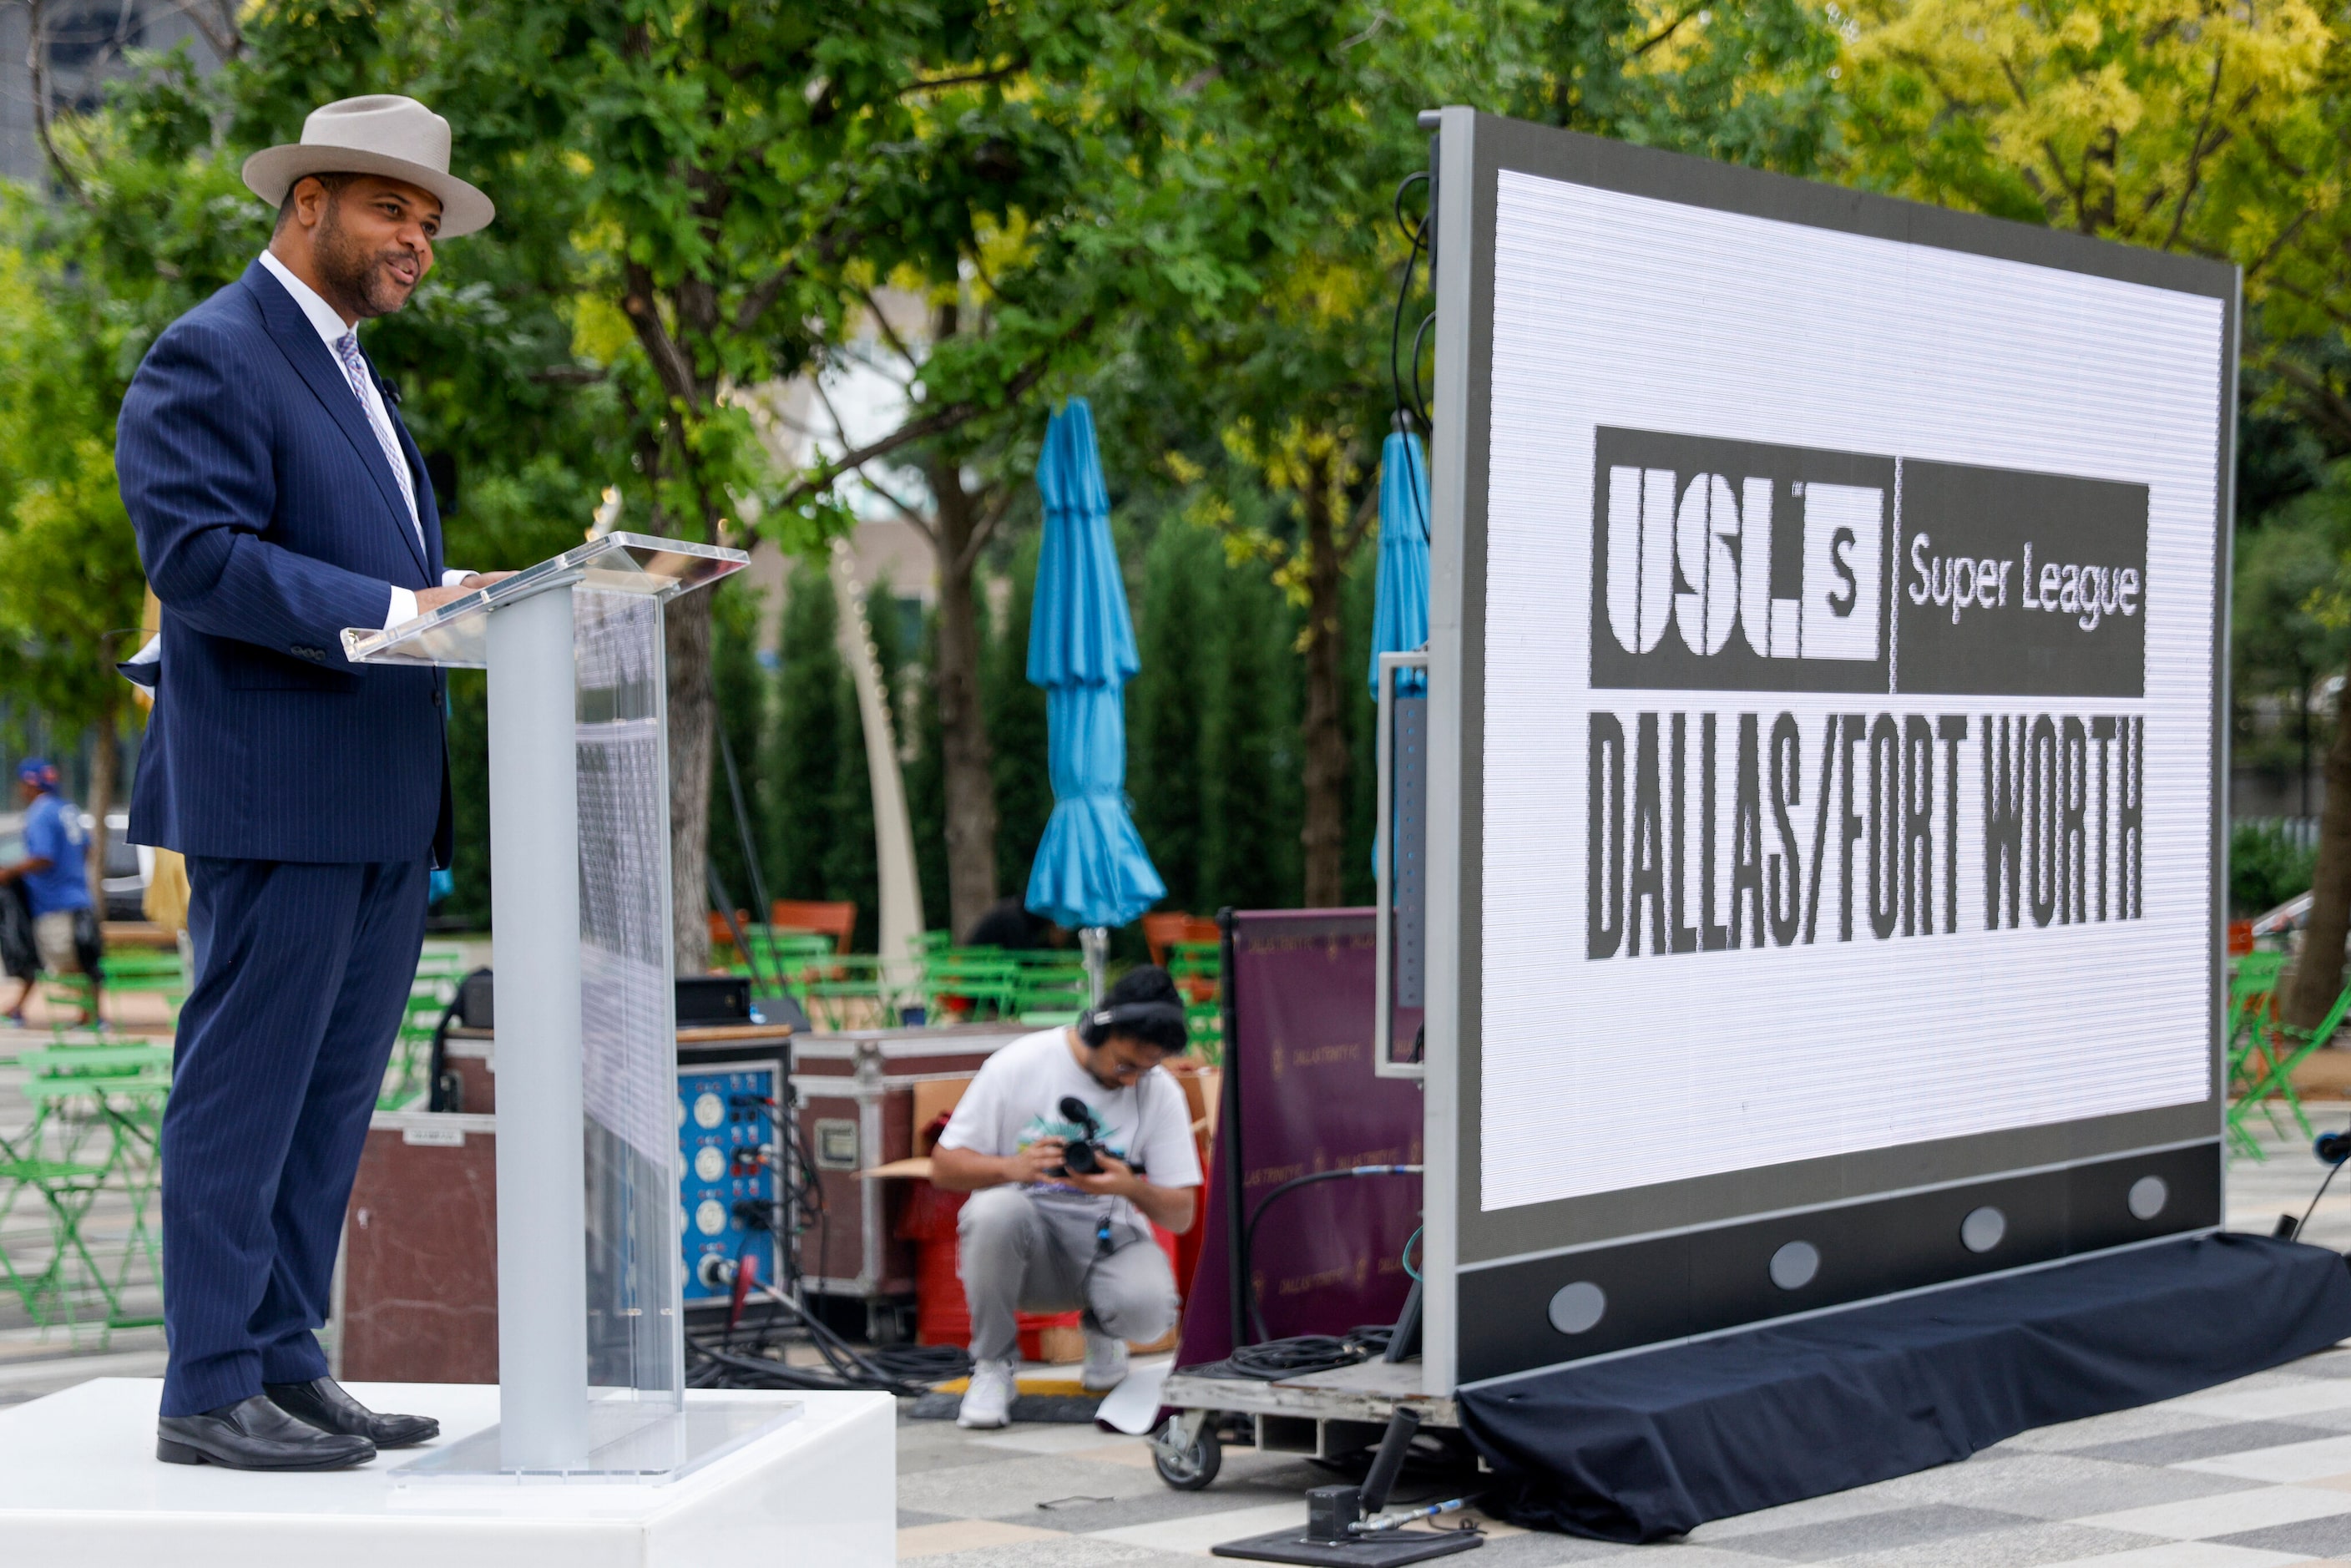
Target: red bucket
942,1316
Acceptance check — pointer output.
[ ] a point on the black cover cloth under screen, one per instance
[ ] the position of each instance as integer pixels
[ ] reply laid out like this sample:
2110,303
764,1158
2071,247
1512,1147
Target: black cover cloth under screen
1644,1448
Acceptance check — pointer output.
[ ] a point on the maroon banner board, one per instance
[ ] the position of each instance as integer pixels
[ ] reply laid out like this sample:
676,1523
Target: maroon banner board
1302,1097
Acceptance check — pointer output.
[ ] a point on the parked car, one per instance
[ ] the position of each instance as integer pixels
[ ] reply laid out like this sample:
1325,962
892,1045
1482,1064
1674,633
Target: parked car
2286,922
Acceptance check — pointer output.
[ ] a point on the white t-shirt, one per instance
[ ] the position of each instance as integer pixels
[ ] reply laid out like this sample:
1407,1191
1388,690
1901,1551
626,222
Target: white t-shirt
1016,1099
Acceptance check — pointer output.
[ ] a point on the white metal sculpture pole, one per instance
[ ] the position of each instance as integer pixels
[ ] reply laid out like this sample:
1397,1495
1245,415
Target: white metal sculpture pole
1094,943
534,911
893,832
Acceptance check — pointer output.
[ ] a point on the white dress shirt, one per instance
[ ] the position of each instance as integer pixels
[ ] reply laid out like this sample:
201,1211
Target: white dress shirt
330,327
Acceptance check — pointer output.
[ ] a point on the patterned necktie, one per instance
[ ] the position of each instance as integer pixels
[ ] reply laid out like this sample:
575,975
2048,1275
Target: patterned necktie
347,349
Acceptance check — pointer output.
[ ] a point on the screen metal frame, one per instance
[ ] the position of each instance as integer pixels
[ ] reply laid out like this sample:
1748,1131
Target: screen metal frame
1473,150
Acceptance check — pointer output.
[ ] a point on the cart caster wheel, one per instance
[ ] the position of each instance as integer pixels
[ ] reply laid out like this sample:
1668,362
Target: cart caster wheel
1185,1452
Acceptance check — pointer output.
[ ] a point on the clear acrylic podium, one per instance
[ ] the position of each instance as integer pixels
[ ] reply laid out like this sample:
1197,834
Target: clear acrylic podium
592,1374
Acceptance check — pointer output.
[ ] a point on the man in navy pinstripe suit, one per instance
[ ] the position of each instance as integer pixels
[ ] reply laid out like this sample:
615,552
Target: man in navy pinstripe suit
278,499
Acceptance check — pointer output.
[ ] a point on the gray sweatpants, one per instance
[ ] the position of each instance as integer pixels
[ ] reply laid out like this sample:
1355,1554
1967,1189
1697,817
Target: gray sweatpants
1022,1255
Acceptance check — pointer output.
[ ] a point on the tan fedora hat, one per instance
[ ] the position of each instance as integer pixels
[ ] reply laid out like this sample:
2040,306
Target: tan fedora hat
385,134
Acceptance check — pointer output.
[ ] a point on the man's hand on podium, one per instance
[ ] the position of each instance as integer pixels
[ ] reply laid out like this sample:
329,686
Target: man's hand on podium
430,599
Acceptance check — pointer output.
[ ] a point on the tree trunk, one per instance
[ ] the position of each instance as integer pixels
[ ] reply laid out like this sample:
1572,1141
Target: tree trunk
2318,974
693,714
1324,835
105,765
2302,707
965,755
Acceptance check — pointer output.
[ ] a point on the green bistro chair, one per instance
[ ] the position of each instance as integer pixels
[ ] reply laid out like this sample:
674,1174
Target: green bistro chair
2280,1048
968,984
434,987
1051,986
2252,993
96,1126
55,1284
147,971
837,991
442,959
796,957
63,994
1198,970
863,990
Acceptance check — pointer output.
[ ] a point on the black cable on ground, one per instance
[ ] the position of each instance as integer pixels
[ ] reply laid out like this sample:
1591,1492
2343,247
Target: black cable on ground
2327,1146
1297,1356
922,1363
1248,1231
908,1371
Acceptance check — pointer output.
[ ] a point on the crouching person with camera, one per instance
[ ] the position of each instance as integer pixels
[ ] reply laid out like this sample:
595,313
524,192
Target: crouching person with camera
1070,1141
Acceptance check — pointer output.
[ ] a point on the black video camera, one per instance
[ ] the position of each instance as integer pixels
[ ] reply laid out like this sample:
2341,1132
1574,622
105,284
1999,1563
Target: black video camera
1083,1155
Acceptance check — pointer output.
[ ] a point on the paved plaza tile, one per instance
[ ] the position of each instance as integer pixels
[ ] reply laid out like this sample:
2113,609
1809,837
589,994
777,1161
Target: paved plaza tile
2246,1475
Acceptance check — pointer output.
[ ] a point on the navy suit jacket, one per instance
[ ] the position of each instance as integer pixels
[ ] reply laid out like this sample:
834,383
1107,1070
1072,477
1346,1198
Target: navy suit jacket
269,520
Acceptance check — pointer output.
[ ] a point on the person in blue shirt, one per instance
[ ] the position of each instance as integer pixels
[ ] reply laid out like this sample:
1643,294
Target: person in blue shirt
55,878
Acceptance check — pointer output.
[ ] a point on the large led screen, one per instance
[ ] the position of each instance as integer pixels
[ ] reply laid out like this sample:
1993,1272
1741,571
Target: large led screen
1838,636
1863,594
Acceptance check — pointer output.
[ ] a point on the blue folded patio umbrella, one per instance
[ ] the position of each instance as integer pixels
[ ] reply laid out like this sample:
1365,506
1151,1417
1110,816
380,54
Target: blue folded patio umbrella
1091,869
1400,604
1400,598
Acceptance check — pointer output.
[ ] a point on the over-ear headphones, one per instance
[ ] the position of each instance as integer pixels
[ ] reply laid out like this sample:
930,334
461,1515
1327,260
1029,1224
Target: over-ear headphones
1143,1019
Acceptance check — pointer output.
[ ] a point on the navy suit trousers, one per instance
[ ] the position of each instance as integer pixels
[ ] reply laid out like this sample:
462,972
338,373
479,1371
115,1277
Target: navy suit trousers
302,973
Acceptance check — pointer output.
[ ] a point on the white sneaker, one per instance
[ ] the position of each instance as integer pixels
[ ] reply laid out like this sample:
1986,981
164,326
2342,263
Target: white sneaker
1105,1367
987,1398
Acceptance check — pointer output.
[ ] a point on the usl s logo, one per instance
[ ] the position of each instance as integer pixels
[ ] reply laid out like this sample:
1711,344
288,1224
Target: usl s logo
1737,565
1740,566
1696,548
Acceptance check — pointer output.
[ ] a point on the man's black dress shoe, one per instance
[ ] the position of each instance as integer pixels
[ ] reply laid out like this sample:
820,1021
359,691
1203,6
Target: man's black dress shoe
323,1404
255,1434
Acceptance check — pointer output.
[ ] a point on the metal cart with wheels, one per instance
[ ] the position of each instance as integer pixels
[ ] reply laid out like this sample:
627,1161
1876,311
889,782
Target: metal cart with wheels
1320,1415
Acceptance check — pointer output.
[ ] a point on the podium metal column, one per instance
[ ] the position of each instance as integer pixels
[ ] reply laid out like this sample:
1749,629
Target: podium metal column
535,914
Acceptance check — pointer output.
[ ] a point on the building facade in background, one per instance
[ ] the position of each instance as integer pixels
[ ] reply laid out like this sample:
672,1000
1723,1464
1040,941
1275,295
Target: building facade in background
84,44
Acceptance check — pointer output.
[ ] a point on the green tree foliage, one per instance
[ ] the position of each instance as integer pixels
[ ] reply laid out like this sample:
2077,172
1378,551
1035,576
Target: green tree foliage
1176,614
2265,869
1308,124
141,234
2176,124
1308,112
467,906
2285,634
1749,83
696,201
745,176
1251,685
69,580
1185,211
2191,125
1360,720
152,219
